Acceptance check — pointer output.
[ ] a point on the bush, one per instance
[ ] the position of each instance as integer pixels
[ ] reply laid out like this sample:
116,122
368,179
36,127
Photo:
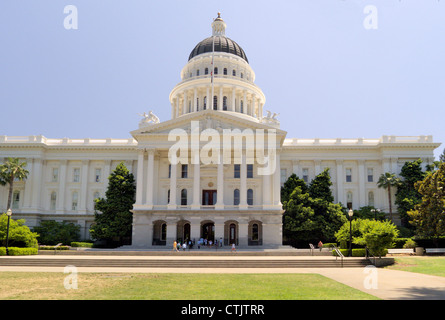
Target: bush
400,242
82,244
356,252
14,251
327,245
52,232
54,248
410,243
19,234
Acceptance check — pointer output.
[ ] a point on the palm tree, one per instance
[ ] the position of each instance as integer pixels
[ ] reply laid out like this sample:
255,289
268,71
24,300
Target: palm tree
386,181
9,171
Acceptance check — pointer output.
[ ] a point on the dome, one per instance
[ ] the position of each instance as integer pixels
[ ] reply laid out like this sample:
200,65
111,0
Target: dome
222,44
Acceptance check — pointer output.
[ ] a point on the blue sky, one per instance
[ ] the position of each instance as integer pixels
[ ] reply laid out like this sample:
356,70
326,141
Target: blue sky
319,67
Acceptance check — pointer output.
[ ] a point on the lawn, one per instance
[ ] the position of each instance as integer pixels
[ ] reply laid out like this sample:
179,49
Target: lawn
425,264
130,286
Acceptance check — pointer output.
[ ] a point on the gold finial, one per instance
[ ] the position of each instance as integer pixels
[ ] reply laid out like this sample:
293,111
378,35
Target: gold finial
219,14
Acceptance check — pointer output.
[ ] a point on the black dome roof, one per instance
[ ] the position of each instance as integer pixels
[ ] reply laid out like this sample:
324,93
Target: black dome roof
222,44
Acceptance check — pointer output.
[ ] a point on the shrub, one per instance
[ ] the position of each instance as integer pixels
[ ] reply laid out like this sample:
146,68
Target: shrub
54,248
410,243
82,244
400,242
14,251
19,234
52,232
355,252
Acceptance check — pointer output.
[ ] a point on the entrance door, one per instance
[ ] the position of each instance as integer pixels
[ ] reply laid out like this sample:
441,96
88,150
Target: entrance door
232,233
208,231
208,197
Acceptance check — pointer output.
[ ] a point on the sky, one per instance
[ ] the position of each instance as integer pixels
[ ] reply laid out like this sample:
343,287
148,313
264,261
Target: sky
330,68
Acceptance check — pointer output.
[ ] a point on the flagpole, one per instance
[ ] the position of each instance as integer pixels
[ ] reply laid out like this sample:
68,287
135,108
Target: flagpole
212,71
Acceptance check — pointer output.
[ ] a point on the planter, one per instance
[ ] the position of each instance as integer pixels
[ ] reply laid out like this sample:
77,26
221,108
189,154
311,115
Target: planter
419,251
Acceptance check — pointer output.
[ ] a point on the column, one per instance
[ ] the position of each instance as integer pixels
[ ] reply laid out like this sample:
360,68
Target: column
361,183
317,167
195,100
209,101
184,109
219,229
232,107
220,183
29,184
243,233
171,233
36,184
243,182
150,179
195,229
252,111
140,177
62,183
245,102
267,191
196,185
177,106
340,177
220,99
84,187
277,181
172,204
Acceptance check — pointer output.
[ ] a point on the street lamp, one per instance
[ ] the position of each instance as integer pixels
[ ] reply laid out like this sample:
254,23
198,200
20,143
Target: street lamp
350,214
9,214
375,213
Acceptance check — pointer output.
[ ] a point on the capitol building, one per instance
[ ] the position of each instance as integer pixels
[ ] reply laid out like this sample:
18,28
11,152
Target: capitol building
224,196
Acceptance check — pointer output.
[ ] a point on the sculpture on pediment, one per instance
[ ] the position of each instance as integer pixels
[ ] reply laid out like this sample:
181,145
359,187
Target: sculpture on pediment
271,118
149,118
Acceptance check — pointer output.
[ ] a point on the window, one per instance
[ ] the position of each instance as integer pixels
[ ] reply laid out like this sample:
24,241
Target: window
250,171
76,175
74,201
255,232
197,104
183,197
242,107
53,200
215,71
15,199
190,106
371,199
168,196
242,76
370,175
215,103
205,103
55,175
250,197
348,175
234,73
225,103
206,71
97,175
283,175
184,171
237,172
225,71
236,197
164,232
306,175
349,200
169,170
197,73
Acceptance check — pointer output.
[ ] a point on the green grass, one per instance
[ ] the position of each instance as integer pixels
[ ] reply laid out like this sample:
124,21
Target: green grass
425,264
94,286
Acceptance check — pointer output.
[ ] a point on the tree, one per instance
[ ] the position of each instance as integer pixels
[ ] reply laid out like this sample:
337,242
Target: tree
428,216
387,181
11,170
53,232
375,235
19,234
289,186
407,195
320,186
113,219
442,156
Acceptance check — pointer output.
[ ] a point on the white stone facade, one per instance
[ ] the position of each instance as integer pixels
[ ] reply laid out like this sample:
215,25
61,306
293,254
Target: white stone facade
226,201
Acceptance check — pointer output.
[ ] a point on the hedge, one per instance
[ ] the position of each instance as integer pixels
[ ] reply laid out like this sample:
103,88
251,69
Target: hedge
355,252
14,251
54,248
82,244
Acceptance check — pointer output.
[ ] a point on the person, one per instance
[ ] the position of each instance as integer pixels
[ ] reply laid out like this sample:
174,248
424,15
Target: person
184,246
175,246
320,245
233,247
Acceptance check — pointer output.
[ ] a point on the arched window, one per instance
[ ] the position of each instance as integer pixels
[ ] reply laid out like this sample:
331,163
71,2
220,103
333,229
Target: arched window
225,71
255,232
225,103
250,197
234,72
371,199
163,232
74,201
242,76
183,197
197,73
206,71
236,197
215,71
215,103
15,199
205,102
53,200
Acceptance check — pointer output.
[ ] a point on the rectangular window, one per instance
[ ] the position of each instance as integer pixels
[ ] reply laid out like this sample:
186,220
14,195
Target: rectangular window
76,175
15,199
305,175
74,201
250,171
370,175
184,172
53,199
97,175
348,175
55,175
236,173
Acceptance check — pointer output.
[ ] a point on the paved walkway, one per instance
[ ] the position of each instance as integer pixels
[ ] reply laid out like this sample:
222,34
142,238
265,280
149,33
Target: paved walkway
383,283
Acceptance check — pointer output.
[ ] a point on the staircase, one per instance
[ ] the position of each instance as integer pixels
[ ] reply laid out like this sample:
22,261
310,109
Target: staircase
184,262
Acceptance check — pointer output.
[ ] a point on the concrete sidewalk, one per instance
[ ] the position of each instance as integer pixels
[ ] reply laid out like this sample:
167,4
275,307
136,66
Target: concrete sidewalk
382,283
